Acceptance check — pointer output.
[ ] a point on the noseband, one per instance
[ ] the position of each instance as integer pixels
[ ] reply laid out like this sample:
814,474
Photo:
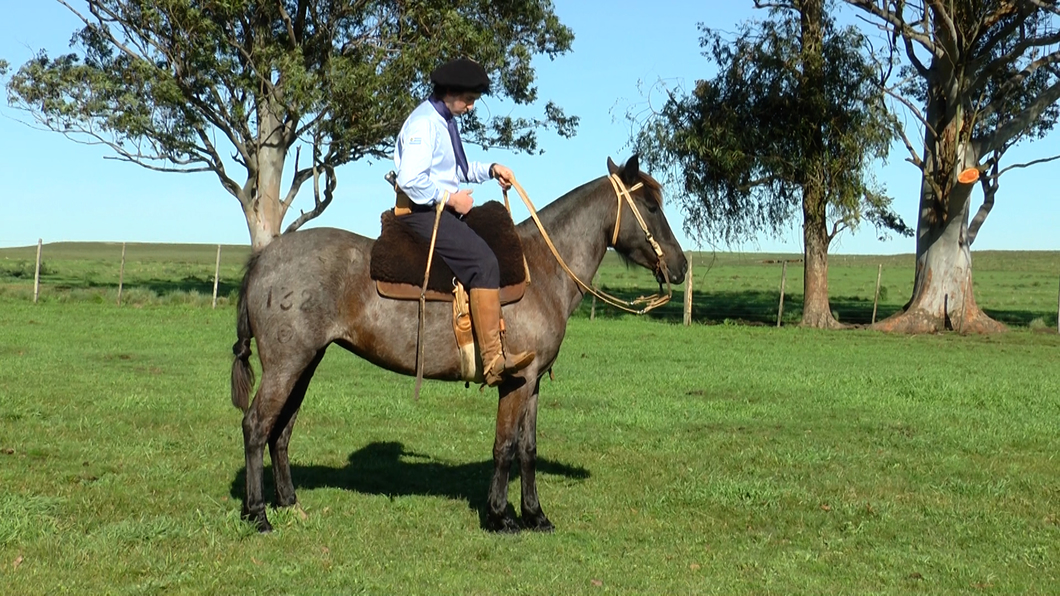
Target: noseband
639,305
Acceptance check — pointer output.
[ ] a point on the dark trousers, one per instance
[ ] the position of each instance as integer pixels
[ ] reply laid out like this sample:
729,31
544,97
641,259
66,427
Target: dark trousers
466,253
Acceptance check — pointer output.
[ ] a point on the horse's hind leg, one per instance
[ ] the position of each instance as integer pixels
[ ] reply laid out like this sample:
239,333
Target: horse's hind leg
281,436
532,515
277,382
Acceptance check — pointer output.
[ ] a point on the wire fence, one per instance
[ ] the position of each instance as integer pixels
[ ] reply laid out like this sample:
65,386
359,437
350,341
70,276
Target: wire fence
746,288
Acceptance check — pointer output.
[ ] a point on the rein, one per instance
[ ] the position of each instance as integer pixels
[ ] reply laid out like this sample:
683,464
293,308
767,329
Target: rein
438,208
637,306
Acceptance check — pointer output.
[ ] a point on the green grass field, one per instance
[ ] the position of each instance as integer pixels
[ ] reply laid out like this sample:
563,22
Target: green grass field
711,459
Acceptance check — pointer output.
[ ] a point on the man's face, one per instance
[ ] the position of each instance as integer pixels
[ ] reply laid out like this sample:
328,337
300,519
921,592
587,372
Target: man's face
462,103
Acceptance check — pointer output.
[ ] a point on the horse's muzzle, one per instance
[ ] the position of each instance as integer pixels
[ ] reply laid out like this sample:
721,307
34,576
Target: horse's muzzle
676,273
662,275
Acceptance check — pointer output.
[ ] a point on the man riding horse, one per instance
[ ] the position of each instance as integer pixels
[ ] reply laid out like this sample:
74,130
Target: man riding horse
431,164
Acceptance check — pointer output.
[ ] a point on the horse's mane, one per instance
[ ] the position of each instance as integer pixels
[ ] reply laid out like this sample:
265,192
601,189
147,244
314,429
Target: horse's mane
559,209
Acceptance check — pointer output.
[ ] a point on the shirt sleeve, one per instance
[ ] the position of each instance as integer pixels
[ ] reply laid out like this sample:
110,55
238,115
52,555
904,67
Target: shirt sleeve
478,171
416,146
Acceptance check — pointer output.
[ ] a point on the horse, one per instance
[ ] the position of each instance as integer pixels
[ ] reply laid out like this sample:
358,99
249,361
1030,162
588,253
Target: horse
310,288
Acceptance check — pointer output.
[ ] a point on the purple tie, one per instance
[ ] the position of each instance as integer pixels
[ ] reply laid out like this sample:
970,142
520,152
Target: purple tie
454,134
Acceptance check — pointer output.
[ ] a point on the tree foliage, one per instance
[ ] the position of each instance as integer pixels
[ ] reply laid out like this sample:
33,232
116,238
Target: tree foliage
741,143
192,85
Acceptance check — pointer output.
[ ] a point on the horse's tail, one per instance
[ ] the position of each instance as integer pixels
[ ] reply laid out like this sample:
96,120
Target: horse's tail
242,373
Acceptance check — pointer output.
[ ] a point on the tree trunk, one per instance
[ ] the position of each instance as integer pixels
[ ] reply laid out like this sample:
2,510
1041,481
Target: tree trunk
943,297
262,223
264,208
816,312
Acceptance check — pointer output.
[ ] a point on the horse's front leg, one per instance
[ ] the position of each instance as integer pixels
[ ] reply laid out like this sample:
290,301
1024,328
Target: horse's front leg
513,396
533,517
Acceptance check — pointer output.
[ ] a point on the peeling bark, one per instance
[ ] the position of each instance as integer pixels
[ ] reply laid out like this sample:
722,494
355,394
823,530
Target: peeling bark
263,223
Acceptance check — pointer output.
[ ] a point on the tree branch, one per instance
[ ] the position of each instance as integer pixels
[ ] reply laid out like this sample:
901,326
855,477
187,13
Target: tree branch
898,22
1017,79
910,52
1019,123
987,48
914,157
1027,165
300,176
319,205
292,37
837,228
942,15
990,186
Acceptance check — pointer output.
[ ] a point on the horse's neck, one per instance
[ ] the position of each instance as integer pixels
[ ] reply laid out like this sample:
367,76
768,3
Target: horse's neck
578,224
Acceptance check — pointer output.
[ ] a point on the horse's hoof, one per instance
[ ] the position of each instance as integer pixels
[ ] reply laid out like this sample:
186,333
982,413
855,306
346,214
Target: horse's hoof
537,522
288,502
503,524
541,525
258,520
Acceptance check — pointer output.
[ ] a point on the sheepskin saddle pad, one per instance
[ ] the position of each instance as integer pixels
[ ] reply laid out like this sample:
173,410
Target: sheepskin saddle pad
399,256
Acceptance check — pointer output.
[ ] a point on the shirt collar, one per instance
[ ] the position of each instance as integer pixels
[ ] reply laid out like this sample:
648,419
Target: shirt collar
441,108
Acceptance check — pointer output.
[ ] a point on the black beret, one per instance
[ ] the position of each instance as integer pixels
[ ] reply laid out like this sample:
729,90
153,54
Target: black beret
462,75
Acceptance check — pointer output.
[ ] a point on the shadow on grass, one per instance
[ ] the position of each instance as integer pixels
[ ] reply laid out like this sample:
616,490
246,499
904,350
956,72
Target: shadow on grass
760,308
159,287
388,469
188,284
1020,318
744,307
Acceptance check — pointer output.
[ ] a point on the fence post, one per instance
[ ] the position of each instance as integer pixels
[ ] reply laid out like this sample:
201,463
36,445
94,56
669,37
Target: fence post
783,280
216,275
36,273
876,300
688,293
121,273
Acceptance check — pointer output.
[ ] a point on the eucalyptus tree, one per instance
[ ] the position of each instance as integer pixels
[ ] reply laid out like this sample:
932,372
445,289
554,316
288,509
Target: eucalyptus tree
793,119
234,87
981,76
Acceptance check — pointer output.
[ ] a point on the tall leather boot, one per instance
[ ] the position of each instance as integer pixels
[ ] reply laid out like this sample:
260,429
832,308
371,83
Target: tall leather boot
486,322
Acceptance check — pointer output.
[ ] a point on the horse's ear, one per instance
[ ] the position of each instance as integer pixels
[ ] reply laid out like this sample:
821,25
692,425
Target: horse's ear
612,167
631,172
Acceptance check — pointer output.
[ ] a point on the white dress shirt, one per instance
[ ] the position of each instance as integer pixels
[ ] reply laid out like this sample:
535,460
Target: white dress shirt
425,161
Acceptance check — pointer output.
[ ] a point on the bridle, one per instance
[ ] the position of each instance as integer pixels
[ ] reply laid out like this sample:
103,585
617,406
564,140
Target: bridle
639,305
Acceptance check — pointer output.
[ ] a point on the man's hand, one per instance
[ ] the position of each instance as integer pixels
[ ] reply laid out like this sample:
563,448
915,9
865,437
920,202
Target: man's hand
503,175
461,201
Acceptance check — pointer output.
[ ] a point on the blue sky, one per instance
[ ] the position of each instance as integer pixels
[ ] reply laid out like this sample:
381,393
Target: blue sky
59,190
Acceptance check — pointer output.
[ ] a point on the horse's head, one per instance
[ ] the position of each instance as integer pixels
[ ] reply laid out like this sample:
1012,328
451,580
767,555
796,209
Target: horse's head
641,230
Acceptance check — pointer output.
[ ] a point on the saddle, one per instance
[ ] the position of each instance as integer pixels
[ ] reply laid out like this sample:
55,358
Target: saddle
399,260
399,257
